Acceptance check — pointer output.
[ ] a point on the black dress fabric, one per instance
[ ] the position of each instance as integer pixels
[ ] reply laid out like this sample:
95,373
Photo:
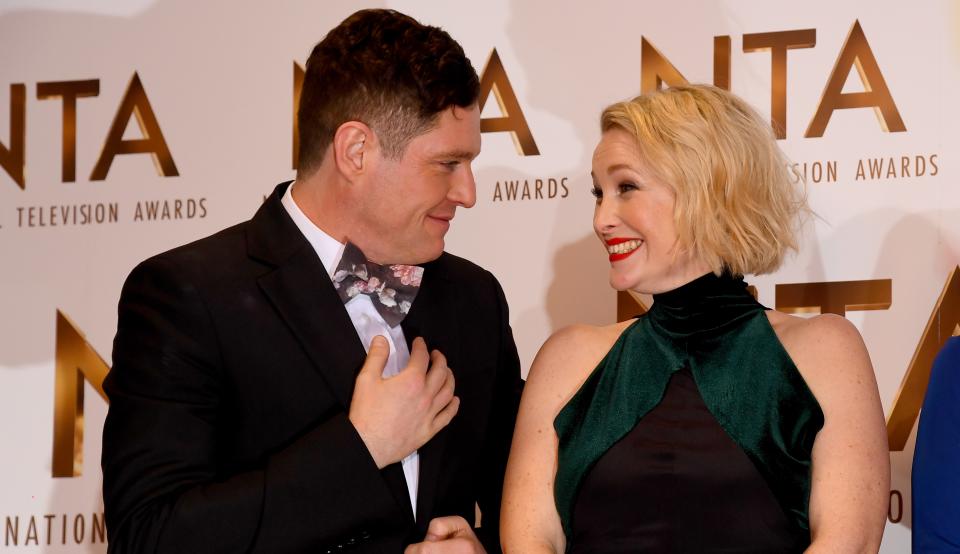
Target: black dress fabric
678,483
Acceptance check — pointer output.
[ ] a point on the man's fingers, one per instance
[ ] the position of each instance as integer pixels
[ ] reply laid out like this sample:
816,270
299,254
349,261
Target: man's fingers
448,527
448,546
376,356
419,357
445,394
447,535
438,373
445,416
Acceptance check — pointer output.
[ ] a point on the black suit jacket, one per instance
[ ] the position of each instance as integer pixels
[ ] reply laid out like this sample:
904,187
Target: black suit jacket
233,369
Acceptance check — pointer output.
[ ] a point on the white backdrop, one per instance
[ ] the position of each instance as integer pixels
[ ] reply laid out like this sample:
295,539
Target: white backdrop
219,79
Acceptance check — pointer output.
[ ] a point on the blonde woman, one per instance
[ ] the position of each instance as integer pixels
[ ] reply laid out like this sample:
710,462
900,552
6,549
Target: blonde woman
710,424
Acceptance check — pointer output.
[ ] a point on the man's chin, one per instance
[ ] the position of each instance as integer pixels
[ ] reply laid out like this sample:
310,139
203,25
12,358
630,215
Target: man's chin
431,252
426,257
421,254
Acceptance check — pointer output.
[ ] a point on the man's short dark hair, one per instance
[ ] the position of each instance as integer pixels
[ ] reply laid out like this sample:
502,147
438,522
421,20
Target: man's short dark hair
387,70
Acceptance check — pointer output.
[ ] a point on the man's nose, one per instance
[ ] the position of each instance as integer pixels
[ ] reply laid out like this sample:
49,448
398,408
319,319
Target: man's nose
463,192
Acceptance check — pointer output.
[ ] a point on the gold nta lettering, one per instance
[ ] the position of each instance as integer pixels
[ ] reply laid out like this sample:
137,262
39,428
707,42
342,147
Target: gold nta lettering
856,52
134,103
69,91
944,322
13,158
834,297
76,361
493,79
298,75
629,305
657,71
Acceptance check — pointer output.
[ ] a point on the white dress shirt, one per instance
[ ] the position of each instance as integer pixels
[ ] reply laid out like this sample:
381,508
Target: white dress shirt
366,320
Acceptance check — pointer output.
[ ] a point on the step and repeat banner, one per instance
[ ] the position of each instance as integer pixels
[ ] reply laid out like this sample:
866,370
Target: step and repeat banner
128,127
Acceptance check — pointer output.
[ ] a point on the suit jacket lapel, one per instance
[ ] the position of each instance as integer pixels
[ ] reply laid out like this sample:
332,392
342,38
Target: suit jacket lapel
306,300
330,340
432,317
301,291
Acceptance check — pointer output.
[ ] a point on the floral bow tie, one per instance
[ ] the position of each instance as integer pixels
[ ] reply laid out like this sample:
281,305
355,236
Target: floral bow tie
392,288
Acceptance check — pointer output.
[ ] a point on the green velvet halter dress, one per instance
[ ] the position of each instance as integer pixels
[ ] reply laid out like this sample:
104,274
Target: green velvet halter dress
694,433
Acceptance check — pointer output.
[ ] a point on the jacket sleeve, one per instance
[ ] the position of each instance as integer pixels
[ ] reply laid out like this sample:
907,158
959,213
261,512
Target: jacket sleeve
162,486
503,416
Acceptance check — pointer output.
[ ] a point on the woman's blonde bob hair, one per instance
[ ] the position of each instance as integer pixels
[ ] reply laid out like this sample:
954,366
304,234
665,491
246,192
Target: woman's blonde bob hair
738,206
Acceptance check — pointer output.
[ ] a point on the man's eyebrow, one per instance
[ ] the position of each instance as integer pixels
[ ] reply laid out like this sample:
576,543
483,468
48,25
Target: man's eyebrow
457,155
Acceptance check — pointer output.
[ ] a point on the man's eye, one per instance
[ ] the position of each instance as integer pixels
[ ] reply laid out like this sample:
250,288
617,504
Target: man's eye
452,164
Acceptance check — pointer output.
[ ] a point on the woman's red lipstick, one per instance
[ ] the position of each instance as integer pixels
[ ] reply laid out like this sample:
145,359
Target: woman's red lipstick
619,256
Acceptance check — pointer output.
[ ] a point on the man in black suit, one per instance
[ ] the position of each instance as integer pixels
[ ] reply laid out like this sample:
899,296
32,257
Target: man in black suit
244,414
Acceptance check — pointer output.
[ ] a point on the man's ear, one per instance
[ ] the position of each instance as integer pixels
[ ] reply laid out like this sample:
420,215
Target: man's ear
352,145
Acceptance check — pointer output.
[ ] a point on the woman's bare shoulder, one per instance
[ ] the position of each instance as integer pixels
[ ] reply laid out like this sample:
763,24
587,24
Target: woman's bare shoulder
826,331
827,349
568,357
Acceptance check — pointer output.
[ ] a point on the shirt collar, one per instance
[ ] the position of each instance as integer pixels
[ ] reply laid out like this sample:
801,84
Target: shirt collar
327,248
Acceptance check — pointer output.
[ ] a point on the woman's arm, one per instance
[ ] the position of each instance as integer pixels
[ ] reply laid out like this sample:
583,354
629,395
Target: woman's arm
851,460
529,523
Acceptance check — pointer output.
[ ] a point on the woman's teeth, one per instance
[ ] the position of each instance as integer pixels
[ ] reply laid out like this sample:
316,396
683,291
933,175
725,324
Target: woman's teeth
624,247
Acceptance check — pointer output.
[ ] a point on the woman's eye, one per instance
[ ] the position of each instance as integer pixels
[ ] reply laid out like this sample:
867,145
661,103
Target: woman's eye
596,192
626,187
